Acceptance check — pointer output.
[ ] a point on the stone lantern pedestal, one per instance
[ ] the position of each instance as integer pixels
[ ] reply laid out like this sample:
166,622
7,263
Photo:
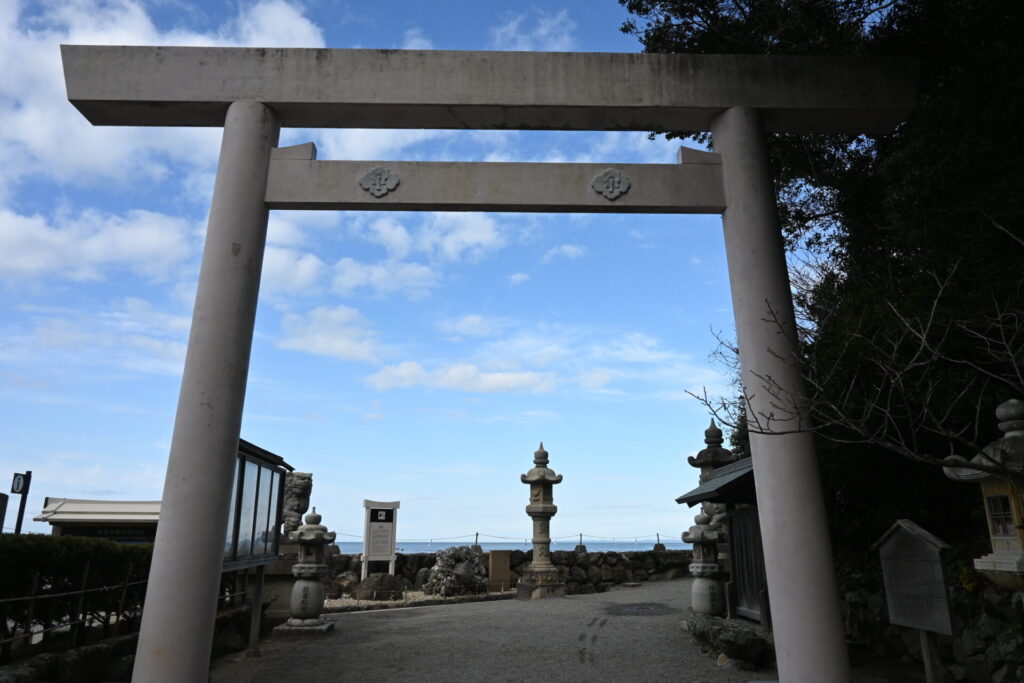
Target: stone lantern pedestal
307,599
706,592
541,579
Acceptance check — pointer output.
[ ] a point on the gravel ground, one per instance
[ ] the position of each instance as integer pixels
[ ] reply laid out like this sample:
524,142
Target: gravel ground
628,634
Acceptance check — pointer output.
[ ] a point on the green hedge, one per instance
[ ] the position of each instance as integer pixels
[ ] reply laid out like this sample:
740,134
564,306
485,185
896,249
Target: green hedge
61,559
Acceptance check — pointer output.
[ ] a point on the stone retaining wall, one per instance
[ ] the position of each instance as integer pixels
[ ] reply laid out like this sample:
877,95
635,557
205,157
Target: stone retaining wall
582,572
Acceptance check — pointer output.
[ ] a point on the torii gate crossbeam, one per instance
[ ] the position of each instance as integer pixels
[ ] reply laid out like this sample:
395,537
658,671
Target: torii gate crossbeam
253,92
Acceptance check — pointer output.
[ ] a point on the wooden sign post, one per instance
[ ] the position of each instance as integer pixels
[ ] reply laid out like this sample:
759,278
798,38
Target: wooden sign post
915,588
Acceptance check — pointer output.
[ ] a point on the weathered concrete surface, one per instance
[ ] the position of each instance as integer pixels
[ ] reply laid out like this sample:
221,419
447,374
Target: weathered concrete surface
492,186
192,86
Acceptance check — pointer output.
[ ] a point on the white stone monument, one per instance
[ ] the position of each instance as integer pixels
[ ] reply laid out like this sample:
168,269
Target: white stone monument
379,533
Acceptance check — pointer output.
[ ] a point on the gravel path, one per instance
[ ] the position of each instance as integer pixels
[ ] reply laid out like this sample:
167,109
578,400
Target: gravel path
628,634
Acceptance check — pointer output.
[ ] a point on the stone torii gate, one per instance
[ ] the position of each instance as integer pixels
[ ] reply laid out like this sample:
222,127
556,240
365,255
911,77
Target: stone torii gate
253,92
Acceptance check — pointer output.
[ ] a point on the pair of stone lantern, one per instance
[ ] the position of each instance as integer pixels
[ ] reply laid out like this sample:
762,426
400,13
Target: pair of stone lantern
307,599
708,529
541,578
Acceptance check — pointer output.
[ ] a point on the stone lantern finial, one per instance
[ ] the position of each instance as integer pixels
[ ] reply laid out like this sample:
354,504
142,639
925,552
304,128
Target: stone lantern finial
713,435
1011,417
540,456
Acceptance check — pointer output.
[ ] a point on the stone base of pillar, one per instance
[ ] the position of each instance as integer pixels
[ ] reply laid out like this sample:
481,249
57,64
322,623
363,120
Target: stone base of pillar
537,584
315,627
706,597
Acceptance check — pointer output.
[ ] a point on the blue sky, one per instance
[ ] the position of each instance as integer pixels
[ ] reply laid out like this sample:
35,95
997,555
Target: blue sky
418,357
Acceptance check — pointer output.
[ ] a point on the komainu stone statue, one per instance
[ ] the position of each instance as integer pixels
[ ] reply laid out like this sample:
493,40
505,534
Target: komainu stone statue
297,488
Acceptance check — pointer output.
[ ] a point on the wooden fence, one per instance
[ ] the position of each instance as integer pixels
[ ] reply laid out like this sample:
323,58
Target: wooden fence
45,621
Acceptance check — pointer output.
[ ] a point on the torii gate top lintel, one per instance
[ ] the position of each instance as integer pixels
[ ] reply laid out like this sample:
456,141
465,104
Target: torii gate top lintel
334,88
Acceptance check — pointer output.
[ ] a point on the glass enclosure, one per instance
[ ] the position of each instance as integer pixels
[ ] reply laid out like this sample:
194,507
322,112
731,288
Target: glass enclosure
255,514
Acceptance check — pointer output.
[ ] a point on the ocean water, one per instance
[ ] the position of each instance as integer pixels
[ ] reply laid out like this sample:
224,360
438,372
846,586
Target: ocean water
593,546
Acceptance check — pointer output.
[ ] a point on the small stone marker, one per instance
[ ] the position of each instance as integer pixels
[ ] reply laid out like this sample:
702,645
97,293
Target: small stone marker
499,576
915,587
379,534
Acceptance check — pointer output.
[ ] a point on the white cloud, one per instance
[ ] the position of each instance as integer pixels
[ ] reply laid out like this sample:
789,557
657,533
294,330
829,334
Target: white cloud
337,331
539,348
391,235
282,231
454,236
131,334
44,136
536,30
135,315
569,251
518,278
594,380
288,271
624,147
413,39
370,144
415,280
440,236
459,377
274,23
90,245
632,348
474,326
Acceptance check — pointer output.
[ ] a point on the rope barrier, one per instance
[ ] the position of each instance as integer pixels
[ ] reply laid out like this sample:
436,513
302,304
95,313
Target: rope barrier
625,538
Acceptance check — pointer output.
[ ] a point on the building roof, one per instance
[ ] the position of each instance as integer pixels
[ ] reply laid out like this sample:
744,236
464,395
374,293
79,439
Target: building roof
729,484
78,511
251,449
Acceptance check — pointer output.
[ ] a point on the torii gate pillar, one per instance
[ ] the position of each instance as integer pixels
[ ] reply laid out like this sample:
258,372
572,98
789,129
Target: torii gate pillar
181,597
809,640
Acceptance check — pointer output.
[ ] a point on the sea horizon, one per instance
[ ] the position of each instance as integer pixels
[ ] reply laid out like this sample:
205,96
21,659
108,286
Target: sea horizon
593,546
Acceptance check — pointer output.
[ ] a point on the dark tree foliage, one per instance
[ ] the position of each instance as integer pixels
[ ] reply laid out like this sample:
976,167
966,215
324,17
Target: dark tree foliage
912,302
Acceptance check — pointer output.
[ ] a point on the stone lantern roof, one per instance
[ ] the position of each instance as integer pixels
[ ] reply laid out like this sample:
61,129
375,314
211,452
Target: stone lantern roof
541,473
312,532
1006,452
714,455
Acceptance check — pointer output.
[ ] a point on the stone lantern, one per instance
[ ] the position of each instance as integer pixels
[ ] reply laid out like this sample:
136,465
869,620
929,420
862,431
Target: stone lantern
307,601
1004,501
541,579
708,529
